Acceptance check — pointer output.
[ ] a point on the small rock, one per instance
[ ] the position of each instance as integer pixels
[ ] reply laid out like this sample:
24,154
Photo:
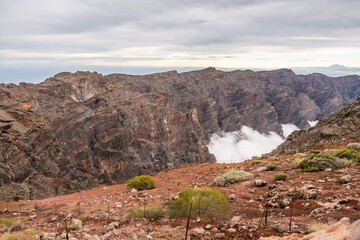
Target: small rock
55,218
273,186
114,224
328,169
49,236
220,236
260,198
232,197
208,226
77,222
198,231
260,183
321,181
232,230
345,179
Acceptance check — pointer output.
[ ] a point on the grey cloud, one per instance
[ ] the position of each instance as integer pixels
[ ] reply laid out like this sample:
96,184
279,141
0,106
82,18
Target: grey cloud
87,26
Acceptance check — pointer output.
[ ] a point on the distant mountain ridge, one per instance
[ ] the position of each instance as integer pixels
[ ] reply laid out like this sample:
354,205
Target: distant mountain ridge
77,130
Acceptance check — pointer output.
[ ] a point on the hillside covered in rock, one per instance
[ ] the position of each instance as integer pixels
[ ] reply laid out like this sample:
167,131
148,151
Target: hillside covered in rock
77,131
341,126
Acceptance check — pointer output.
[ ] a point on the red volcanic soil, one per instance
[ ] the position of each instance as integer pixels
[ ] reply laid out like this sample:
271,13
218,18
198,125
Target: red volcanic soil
101,207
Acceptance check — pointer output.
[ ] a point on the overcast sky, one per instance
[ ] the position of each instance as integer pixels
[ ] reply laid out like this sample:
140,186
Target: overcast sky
39,38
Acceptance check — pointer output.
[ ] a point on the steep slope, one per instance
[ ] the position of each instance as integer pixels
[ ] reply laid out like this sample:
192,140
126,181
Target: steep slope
88,129
339,127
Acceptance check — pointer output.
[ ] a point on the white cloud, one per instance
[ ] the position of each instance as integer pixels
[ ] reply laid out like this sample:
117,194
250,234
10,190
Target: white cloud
312,123
241,145
288,129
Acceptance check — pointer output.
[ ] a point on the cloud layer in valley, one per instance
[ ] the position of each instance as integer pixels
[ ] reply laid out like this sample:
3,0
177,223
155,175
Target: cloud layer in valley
241,145
127,35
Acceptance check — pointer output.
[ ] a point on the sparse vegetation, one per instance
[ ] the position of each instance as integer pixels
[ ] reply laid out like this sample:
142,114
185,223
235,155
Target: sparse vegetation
315,226
349,154
206,203
30,234
9,222
299,157
311,169
81,217
140,183
229,170
319,162
71,228
335,186
271,167
231,177
325,174
315,151
150,211
255,162
177,182
281,177
355,146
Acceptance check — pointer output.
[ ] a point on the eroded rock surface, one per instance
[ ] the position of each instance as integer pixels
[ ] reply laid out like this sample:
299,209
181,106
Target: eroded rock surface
76,131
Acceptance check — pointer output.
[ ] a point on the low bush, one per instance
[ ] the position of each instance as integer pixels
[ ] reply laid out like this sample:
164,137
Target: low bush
231,177
151,211
319,162
140,183
349,154
281,177
206,203
355,146
255,162
271,167
315,151
229,170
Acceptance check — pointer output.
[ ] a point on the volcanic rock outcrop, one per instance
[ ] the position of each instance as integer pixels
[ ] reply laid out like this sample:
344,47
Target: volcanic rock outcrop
76,131
339,127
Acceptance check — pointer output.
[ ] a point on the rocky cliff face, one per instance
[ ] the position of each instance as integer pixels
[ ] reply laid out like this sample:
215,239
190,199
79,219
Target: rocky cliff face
341,126
76,131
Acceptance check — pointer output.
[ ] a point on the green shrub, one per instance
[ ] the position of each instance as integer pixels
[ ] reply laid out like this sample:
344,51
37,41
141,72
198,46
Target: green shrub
315,151
350,154
311,169
151,212
140,183
231,177
255,162
229,170
319,162
208,203
271,167
281,177
355,146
